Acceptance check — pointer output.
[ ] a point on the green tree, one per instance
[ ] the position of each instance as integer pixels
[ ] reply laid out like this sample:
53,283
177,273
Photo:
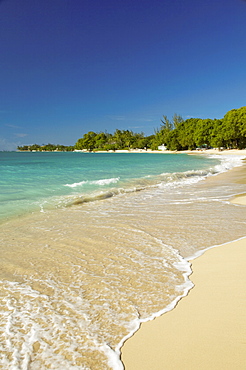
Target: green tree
128,138
35,147
100,140
166,124
123,139
234,128
217,135
118,137
162,133
172,141
87,141
143,142
177,119
24,147
203,132
186,130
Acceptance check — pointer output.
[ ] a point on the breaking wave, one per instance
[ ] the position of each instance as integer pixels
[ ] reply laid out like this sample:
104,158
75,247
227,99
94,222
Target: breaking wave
101,182
164,180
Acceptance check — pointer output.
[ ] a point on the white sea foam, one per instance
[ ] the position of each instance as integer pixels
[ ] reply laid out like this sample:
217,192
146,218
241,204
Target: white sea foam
185,267
227,162
183,179
75,184
64,314
100,182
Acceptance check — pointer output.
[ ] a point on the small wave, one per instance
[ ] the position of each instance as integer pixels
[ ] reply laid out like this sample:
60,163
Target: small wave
227,162
190,173
105,181
75,184
101,182
103,195
165,180
178,179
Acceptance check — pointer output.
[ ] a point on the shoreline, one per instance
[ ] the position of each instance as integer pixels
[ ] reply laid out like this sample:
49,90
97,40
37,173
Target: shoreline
148,151
195,333
202,151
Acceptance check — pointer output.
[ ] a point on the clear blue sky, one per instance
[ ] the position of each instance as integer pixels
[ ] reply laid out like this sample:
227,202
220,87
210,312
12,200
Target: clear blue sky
70,66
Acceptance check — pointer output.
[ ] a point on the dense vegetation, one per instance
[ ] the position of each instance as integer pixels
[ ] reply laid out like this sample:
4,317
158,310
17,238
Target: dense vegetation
229,132
121,139
46,148
177,134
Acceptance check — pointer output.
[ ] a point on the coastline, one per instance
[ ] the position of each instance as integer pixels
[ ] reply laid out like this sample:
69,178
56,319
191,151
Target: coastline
202,151
207,328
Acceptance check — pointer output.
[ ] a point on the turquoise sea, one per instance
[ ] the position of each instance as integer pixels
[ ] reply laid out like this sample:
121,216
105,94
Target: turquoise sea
93,244
35,181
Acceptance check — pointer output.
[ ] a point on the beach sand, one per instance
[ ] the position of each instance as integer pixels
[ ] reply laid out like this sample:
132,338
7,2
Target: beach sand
207,329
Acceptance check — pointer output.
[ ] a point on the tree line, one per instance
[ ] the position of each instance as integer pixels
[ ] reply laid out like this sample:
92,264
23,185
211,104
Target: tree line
176,134
228,132
46,148
121,139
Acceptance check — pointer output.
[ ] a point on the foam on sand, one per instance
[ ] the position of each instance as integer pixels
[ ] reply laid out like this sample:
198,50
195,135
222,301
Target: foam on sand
207,329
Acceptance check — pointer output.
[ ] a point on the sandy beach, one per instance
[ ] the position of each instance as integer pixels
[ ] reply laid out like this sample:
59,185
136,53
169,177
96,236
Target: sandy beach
192,152
207,329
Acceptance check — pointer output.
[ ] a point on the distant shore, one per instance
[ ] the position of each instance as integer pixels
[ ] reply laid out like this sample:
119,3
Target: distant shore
207,328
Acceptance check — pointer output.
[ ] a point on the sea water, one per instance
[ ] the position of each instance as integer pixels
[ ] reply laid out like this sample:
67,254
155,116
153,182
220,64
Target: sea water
93,244
36,181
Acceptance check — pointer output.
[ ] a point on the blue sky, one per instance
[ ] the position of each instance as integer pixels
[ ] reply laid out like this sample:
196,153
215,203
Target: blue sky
70,66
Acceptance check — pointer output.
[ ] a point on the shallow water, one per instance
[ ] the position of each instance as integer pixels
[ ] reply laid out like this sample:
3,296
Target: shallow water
75,281
37,181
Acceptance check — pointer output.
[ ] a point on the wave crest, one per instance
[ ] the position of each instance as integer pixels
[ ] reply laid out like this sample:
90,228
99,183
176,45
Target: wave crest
100,182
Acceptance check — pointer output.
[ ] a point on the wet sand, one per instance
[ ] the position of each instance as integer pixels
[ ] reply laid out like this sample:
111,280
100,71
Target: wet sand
207,329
